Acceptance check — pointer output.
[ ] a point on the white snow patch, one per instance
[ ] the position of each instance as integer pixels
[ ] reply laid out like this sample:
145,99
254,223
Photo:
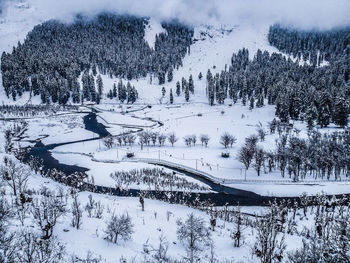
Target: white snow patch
153,28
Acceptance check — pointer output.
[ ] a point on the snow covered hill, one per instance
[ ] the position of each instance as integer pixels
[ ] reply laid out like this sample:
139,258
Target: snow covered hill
156,227
213,47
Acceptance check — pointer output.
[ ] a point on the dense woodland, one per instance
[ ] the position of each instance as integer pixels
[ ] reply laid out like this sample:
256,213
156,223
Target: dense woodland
54,54
318,95
314,46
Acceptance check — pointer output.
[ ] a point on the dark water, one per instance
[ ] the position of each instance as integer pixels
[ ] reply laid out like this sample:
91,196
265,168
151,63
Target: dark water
92,125
222,195
42,152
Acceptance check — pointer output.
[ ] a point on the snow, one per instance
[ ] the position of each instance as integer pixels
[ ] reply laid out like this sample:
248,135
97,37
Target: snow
184,120
213,46
58,128
212,50
152,29
100,171
295,189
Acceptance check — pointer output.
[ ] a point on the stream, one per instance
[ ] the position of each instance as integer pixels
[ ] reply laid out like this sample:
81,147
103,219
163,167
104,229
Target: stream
221,195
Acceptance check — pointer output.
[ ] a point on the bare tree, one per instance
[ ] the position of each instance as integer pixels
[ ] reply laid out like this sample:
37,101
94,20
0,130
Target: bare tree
46,212
154,136
259,158
119,226
245,156
194,234
8,239
8,138
90,205
213,223
108,141
147,136
28,243
188,140
125,139
227,139
172,138
204,138
144,138
34,249
77,212
268,246
161,139
49,250
15,175
90,258
237,233
261,134
251,140
142,202
157,254
98,210
130,139
194,139
120,140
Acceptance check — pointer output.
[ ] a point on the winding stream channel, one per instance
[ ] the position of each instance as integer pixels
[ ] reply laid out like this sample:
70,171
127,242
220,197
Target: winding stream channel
220,195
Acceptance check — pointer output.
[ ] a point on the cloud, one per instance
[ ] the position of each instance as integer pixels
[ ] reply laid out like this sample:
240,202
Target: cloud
304,14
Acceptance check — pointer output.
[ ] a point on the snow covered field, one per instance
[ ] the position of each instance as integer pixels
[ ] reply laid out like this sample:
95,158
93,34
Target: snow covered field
212,49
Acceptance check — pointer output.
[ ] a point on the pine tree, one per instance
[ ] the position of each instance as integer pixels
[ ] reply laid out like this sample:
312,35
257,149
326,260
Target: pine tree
251,103
110,94
121,92
190,84
282,107
99,83
200,76
132,94
76,91
85,80
170,74
244,99
92,89
161,77
324,110
260,101
178,90
311,116
323,116
171,96
341,111
183,84
114,94
187,93
98,98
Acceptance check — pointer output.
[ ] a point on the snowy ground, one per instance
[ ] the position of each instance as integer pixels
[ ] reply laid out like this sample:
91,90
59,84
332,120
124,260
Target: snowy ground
214,47
158,219
183,119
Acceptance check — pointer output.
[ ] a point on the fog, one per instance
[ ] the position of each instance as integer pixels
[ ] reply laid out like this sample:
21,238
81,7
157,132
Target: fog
304,14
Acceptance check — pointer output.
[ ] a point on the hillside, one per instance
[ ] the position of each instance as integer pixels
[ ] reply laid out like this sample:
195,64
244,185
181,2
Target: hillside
137,138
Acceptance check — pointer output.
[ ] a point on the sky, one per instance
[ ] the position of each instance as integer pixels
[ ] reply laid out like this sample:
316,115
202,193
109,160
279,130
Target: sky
304,14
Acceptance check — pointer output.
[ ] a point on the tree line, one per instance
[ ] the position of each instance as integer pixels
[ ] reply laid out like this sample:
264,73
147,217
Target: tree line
314,46
52,57
319,156
155,178
317,95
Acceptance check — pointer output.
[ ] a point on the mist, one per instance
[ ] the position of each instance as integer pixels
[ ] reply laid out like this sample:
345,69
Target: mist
303,14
